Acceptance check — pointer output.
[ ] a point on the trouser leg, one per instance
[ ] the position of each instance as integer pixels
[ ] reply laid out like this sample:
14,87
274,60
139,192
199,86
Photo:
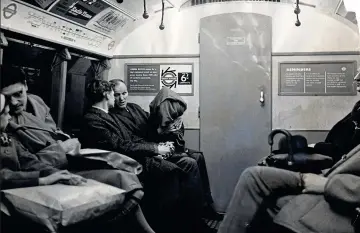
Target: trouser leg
191,180
256,185
200,160
191,192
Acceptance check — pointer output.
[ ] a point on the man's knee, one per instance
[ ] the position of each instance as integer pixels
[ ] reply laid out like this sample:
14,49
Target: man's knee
189,162
270,177
252,171
197,156
252,174
260,171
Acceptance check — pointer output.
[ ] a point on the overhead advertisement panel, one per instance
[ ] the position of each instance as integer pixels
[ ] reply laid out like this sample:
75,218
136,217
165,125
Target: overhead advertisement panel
90,25
109,21
23,18
44,3
79,11
94,14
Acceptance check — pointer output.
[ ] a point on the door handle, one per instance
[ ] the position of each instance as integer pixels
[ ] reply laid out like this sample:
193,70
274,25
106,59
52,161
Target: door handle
262,99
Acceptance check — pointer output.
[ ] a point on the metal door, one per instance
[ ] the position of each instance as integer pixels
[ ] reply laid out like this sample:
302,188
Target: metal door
235,96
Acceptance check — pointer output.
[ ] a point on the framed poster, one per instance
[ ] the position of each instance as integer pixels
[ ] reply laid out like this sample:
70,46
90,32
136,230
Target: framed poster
317,78
148,79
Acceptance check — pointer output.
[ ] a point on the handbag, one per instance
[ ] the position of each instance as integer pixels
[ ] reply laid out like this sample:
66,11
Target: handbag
294,154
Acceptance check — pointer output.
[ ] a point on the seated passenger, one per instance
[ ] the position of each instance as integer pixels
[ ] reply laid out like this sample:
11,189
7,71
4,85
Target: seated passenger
299,202
37,132
31,120
317,203
344,135
164,124
19,168
164,181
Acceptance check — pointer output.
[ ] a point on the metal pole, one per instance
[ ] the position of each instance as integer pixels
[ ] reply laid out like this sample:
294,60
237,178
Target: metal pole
62,92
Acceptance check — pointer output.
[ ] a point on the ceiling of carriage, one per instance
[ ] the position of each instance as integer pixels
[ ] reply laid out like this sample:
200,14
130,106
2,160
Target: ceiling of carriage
97,26
135,7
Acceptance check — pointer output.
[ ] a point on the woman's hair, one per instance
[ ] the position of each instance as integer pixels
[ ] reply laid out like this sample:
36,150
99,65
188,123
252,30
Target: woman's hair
95,90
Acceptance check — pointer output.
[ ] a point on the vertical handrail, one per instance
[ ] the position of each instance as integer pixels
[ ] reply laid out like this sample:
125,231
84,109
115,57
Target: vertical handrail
62,92
59,69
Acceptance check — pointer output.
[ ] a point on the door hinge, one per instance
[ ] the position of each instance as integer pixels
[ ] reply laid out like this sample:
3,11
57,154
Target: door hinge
198,112
199,38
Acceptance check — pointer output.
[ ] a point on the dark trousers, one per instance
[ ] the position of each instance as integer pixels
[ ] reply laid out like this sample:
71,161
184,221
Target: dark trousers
191,181
258,189
200,160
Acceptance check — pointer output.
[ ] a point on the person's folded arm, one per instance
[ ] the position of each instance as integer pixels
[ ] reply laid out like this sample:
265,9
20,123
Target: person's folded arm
104,138
30,162
343,190
18,179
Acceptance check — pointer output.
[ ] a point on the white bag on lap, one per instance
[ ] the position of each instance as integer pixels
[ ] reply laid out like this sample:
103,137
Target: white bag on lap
63,205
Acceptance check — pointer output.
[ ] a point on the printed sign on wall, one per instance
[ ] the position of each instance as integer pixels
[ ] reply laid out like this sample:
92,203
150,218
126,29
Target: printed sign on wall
148,79
317,78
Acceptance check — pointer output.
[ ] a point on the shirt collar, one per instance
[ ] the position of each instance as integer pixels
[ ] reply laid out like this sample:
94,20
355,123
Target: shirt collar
100,109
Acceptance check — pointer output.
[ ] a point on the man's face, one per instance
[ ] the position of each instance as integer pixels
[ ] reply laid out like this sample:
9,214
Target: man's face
16,93
121,94
357,80
111,99
4,118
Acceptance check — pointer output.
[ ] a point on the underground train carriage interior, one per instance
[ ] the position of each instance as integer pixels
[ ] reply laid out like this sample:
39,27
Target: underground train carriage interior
248,71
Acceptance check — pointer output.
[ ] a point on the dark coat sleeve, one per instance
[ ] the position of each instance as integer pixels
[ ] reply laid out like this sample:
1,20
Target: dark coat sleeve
142,112
104,138
326,148
343,190
342,137
17,179
30,162
26,173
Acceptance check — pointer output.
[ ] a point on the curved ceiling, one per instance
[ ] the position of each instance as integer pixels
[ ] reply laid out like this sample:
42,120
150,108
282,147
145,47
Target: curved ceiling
98,26
135,7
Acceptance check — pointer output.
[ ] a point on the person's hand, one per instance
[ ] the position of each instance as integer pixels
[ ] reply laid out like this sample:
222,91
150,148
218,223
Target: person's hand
164,150
75,180
63,177
55,178
71,145
314,183
171,145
